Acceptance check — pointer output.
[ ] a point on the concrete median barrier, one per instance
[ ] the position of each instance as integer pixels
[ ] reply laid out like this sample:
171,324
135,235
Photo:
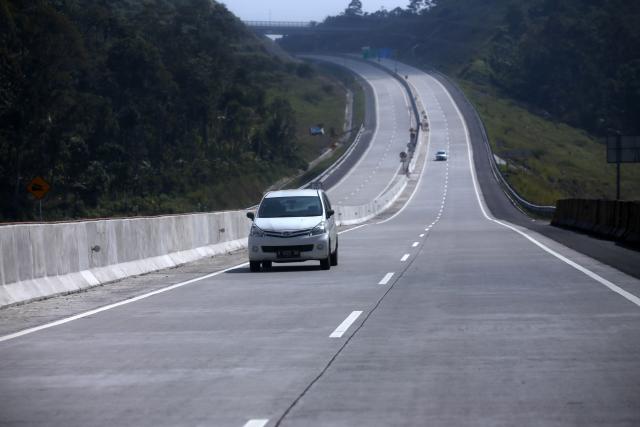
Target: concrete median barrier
41,260
614,220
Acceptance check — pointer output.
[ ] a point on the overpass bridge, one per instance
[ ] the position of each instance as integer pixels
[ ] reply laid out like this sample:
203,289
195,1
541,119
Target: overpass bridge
299,27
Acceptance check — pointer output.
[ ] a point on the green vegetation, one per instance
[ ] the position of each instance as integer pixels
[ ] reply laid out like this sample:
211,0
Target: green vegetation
545,75
150,107
547,160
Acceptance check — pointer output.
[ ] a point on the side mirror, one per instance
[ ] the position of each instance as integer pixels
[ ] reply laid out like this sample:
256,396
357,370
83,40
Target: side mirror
330,213
251,216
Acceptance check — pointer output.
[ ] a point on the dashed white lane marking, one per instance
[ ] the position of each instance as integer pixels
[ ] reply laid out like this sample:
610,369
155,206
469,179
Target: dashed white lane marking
415,244
344,326
386,279
404,257
257,423
422,235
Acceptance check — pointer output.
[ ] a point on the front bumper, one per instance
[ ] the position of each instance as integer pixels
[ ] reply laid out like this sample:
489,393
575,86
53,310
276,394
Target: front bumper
273,248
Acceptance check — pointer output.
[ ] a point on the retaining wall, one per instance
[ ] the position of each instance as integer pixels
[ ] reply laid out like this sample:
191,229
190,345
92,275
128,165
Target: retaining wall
615,220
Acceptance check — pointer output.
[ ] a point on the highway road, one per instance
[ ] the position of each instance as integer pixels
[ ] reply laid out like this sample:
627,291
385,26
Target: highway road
438,316
378,165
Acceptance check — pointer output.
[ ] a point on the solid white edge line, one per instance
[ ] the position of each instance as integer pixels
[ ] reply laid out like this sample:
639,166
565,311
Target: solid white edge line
615,288
257,422
345,325
386,278
114,305
404,257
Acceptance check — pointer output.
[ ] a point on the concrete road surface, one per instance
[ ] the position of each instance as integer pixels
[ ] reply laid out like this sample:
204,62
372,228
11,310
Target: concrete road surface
439,316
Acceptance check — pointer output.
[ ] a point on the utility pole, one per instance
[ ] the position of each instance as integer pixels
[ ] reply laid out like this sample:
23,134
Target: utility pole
618,159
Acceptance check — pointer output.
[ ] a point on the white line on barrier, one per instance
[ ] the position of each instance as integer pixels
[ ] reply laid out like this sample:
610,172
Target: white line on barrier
344,326
386,279
404,257
615,288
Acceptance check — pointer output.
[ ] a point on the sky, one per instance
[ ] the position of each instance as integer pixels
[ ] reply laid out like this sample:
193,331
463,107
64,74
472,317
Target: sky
300,10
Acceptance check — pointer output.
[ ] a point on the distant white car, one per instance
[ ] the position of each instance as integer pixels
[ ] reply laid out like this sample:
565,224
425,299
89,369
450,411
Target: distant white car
293,226
441,155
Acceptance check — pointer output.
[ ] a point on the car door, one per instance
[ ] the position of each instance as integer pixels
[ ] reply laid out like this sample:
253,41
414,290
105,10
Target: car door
333,232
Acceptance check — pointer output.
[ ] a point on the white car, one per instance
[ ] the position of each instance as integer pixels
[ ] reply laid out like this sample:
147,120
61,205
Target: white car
293,226
441,155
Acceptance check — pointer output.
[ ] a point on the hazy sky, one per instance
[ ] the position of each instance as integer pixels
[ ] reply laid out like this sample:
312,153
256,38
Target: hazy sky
300,10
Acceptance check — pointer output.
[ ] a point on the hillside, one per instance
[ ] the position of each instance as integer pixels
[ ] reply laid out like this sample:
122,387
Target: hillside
148,107
570,66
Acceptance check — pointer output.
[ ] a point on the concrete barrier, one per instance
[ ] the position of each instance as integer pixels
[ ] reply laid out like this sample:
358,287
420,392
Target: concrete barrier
41,260
352,215
610,219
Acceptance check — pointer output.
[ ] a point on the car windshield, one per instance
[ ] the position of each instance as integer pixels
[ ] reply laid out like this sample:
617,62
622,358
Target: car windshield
278,207
441,152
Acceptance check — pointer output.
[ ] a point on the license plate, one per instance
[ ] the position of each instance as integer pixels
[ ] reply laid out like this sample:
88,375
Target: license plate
288,254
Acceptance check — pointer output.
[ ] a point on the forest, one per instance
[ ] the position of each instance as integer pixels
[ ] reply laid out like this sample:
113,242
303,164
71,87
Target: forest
138,108
575,61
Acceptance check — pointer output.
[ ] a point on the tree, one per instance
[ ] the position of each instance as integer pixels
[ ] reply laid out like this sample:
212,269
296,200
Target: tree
354,8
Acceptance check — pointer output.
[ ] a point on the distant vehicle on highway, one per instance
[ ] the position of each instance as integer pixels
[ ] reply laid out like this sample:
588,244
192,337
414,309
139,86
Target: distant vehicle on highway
293,226
315,131
441,155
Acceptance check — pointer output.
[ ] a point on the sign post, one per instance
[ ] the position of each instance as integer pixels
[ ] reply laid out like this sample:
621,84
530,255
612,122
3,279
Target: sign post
622,149
39,188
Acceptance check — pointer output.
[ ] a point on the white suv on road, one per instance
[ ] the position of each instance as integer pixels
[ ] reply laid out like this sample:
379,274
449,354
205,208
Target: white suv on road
293,226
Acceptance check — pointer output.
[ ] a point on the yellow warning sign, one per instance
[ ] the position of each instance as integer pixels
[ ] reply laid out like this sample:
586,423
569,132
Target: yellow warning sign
38,187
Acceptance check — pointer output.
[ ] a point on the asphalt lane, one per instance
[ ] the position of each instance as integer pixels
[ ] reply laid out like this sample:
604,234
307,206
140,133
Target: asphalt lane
476,326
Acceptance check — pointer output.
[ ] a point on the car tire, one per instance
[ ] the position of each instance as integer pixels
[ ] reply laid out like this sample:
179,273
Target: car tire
334,256
266,265
254,266
325,264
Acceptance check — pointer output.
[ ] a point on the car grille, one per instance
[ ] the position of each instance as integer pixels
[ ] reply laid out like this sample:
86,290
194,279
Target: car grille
287,234
299,248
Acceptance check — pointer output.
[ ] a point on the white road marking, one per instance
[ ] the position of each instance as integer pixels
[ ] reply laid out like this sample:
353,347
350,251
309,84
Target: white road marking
404,257
257,423
386,279
422,235
344,326
415,244
118,304
615,288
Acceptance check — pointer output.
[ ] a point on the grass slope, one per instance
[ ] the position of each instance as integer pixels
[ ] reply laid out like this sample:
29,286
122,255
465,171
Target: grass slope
547,160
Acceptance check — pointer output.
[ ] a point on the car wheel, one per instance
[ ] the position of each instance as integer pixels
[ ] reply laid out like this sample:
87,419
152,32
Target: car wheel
266,265
334,256
325,264
254,266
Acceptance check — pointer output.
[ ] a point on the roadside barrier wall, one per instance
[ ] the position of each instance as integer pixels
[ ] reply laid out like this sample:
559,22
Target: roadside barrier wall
352,215
615,220
40,260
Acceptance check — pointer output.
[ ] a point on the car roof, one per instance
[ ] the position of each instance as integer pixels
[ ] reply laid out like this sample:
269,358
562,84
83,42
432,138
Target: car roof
291,193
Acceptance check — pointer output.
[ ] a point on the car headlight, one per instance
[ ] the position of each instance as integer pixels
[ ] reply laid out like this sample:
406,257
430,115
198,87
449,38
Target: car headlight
318,229
256,231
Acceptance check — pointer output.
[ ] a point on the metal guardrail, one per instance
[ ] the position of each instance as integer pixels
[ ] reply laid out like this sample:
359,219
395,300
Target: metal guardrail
511,193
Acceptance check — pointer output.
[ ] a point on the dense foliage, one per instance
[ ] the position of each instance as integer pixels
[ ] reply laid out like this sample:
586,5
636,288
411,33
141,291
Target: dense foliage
123,106
577,61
